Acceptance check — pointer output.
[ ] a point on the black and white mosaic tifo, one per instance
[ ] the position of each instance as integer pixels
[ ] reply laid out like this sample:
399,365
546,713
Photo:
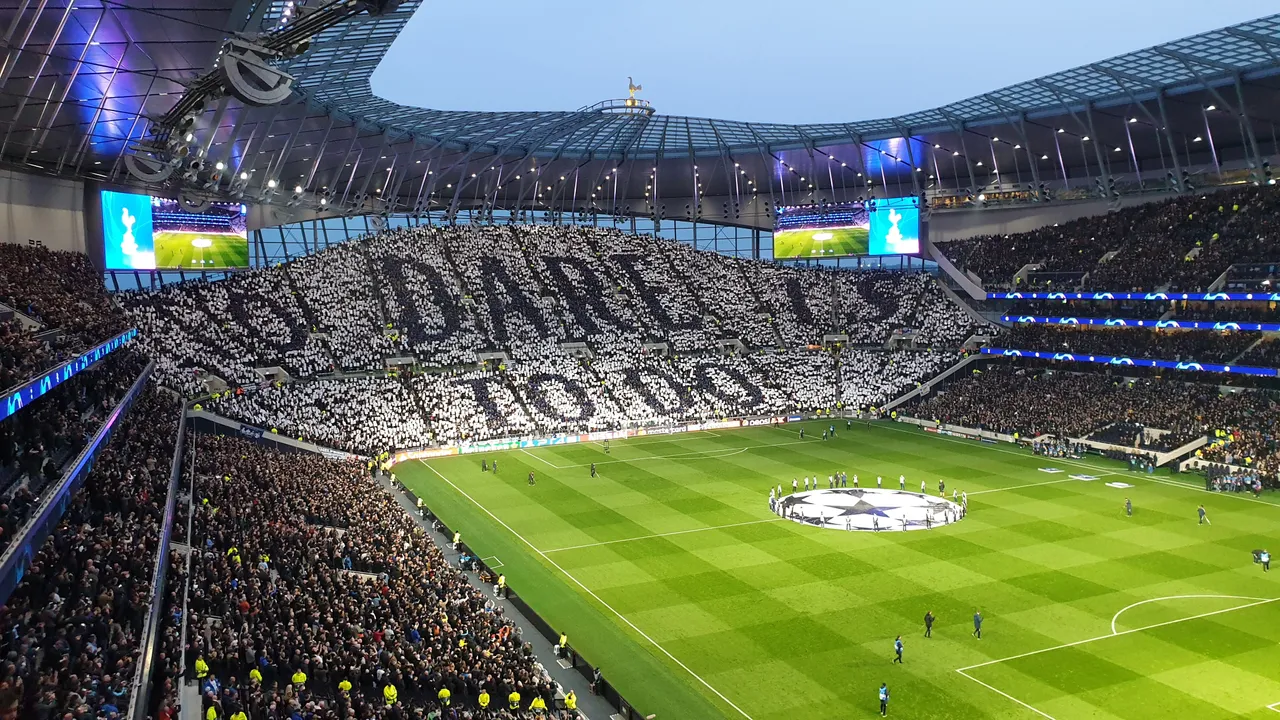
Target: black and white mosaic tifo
868,509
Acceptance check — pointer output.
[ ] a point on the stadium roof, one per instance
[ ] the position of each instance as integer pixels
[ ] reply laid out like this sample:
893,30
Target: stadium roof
82,83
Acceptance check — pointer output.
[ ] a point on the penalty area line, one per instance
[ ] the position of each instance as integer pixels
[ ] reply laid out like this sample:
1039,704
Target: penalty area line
998,691
589,591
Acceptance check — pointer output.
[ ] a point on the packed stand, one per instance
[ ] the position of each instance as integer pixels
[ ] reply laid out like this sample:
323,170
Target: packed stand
60,290
73,625
361,415
1182,244
313,594
869,378
1013,400
1203,346
38,441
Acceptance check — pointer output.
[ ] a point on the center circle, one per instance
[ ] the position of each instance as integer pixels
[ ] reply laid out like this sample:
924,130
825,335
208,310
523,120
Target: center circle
873,509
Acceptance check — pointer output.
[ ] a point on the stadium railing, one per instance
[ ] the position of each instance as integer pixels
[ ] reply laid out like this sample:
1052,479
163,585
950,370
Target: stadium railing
27,541
24,393
139,697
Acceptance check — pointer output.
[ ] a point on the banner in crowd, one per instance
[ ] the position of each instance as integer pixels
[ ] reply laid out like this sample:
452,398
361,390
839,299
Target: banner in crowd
568,439
1158,324
1153,296
1133,362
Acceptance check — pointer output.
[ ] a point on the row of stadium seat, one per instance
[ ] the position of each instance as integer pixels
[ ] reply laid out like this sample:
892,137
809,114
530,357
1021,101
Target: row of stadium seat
1181,244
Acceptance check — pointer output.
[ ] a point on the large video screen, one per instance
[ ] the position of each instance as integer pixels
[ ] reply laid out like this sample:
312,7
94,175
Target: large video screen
879,227
895,226
140,232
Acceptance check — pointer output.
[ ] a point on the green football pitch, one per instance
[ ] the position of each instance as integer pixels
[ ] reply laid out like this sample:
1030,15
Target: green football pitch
200,251
821,242
669,572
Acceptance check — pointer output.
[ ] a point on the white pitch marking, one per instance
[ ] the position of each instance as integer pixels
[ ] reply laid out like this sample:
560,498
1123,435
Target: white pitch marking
1129,473
495,559
1113,633
1122,632
1274,707
666,534
1176,597
590,592
1019,487
1001,692
548,462
716,453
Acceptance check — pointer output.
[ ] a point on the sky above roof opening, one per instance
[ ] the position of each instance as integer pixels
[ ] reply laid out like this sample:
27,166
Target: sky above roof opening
830,61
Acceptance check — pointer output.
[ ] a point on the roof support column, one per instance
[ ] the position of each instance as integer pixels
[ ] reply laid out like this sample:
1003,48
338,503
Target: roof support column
1168,137
1104,174
1252,141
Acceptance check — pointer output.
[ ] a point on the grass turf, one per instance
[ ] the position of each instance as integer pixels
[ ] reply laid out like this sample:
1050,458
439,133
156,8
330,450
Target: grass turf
768,619
806,243
174,249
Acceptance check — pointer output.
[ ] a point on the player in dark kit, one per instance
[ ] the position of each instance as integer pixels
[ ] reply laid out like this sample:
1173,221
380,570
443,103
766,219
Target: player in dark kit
593,469
495,466
928,624
531,481
484,466
977,625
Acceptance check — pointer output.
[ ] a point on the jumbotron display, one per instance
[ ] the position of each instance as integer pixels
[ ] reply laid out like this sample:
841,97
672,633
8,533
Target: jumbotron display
878,227
141,232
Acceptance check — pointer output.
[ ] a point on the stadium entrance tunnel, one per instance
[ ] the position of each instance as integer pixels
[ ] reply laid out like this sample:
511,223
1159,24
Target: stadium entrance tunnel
871,509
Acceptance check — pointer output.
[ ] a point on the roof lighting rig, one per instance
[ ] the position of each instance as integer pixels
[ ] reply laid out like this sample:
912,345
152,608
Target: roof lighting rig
248,69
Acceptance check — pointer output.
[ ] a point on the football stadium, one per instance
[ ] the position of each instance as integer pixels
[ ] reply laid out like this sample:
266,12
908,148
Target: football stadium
321,404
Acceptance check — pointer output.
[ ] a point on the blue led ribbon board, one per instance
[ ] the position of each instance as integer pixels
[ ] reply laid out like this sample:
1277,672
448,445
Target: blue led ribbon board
1133,362
1157,324
20,396
1155,297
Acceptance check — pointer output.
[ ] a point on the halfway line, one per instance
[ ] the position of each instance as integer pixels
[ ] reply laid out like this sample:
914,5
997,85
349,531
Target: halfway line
666,534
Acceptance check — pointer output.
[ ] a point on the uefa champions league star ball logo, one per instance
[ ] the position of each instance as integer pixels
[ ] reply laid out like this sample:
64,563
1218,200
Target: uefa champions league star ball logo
869,509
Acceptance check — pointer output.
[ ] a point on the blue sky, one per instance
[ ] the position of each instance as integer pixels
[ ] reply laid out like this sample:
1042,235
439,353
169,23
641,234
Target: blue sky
828,61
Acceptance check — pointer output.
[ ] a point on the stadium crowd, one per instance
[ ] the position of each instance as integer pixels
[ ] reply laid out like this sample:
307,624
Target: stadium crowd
552,392
1184,243
1028,403
1183,345
72,627
37,442
63,292
322,598
443,296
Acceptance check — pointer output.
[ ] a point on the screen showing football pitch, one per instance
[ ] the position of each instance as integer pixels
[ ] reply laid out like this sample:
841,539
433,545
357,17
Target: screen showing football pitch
141,232
878,227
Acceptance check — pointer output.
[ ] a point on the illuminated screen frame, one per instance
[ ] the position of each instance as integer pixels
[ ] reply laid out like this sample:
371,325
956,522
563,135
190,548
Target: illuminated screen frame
891,226
138,233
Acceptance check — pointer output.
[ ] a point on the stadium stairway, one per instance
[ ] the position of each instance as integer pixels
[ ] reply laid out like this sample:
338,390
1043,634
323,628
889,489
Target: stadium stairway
927,386
1252,345
968,309
967,281
29,323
